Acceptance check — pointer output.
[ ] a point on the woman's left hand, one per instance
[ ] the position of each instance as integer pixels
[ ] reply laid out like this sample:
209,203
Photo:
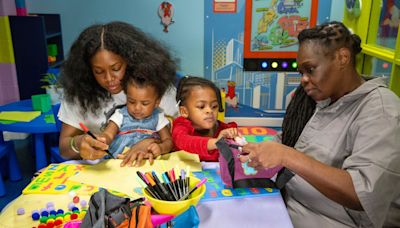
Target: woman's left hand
137,153
267,154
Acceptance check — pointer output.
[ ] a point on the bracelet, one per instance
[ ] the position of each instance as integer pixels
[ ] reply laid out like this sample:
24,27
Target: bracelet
72,145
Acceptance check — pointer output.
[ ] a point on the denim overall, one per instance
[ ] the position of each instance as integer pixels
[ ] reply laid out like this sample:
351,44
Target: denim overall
130,124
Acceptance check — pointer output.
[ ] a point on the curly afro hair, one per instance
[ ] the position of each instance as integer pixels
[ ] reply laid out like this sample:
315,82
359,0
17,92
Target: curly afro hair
123,39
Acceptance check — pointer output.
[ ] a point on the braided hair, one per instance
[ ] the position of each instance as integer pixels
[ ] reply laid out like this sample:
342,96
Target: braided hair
188,82
298,112
330,36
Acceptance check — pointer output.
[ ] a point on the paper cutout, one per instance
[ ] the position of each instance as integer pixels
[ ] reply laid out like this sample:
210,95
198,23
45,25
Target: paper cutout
55,180
7,121
19,116
49,118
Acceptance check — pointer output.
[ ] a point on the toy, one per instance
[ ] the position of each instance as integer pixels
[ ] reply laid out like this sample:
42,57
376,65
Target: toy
230,97
20,211
166,11
75,199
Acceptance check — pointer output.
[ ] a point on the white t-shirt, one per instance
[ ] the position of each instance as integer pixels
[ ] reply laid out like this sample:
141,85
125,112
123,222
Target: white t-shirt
168,102
71,114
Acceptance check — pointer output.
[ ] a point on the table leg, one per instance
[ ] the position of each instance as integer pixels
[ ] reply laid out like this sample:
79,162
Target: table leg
41,159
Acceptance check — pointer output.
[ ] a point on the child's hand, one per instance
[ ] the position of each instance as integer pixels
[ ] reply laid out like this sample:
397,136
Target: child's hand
229,133
137,153
155,149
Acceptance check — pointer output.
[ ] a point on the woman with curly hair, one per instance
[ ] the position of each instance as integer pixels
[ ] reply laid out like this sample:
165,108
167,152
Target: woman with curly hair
91,78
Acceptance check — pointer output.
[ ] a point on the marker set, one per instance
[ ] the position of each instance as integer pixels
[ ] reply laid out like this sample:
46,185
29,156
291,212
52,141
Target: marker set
171,188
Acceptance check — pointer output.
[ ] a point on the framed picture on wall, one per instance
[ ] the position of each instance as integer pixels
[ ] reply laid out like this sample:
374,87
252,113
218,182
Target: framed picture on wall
272,26
224,6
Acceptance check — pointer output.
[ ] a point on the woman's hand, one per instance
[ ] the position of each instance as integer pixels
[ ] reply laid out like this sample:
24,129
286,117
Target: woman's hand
267,154
74,144
90,148
137,153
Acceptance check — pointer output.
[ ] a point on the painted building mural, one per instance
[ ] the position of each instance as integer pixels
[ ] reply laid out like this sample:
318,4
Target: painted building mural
268,91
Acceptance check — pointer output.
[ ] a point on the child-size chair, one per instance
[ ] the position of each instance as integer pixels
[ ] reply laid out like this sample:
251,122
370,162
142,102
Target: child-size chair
7,152
55,156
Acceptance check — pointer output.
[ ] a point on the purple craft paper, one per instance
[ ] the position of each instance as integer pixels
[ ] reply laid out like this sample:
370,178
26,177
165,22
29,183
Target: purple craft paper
242,170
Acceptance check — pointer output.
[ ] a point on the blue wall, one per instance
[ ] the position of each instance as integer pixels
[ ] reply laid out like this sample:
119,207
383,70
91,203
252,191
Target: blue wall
185,36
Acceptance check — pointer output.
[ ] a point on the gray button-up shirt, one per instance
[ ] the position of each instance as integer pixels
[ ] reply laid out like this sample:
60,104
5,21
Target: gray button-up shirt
359,133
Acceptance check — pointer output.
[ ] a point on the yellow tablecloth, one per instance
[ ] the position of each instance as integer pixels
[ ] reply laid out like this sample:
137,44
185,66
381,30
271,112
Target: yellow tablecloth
9,217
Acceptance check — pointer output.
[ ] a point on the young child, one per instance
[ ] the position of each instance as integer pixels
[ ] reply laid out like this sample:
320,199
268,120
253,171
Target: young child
140,118
197,129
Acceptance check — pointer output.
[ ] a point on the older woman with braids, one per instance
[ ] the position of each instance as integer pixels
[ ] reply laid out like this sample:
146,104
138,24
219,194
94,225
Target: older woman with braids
91,77
340,144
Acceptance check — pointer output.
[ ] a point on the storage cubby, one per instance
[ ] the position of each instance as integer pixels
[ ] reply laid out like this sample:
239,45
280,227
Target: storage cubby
31,36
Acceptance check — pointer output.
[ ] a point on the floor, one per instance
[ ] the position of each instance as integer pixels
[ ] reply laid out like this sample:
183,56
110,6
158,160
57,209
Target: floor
27,165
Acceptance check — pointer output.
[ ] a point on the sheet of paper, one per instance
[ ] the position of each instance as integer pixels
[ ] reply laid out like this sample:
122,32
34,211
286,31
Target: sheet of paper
181,156
19,116
108,174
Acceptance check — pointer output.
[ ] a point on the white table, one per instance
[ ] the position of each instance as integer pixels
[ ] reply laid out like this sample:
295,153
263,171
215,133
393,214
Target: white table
263,211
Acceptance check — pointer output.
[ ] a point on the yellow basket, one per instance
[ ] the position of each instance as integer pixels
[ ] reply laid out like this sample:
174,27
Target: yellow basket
177,207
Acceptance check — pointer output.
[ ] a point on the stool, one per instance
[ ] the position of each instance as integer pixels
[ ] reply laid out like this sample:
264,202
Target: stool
7,151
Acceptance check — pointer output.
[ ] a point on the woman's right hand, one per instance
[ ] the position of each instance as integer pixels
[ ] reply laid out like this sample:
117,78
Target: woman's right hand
90,148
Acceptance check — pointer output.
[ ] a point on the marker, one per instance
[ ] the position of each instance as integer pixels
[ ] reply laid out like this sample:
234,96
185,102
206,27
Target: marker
187,178
204,180
177,179
145,187
175,182
86,130
183,179
150,188
169,175
155,186
168,183
161,186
